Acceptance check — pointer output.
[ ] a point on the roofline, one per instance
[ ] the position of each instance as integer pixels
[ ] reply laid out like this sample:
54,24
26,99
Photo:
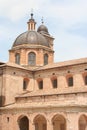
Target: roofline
13,66
30,46
49,66
63,64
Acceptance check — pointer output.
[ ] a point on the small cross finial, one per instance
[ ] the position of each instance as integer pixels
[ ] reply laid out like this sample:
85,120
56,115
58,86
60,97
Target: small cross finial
42,20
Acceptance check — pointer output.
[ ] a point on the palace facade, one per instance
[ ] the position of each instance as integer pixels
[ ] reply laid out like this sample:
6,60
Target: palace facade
35,92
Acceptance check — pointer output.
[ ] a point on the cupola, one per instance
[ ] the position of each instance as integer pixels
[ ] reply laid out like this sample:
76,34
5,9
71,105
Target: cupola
31,23
32,48
42,28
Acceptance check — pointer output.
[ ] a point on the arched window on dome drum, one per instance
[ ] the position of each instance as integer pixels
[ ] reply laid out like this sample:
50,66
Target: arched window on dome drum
32,58
45,59
17,58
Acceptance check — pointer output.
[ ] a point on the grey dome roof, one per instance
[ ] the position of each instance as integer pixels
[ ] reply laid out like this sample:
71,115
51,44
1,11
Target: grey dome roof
42,28
31,37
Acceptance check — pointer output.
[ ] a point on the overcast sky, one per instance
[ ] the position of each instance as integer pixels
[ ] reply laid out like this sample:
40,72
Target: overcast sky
66,21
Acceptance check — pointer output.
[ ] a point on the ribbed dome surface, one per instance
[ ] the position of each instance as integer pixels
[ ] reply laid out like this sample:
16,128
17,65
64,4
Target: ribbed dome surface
30,37
42,28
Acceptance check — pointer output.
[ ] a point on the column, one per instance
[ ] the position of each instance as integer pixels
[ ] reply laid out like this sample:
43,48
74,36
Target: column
49,125
31,125
72,122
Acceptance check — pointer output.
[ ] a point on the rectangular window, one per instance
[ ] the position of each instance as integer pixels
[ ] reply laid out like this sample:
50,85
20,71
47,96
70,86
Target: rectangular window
54,82
85,80
40,84
70,81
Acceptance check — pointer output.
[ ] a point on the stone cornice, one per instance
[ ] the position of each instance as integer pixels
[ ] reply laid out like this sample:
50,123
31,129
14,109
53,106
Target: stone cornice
25,46
49,109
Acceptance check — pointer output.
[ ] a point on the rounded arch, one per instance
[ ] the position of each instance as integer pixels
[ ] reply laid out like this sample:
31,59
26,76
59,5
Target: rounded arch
29,51
40,122
39,116
23,122
59,122
82,122
32,58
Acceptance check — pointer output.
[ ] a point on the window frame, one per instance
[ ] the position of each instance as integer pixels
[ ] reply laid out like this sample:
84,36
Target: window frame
32,58
25,83
45,59
54,82
17,58
85,79
70,81
40,84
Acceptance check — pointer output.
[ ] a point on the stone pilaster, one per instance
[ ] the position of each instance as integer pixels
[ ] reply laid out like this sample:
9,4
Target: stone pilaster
72,122
31,125
49,125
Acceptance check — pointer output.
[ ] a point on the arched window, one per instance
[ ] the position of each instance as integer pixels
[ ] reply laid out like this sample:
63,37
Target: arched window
17,58
54,82
85,80
40,122
59,122
45,59
70,81
32,58
83,122
25,83
23,123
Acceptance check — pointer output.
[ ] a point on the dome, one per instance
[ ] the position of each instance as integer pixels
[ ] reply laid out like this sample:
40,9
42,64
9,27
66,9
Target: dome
42,28
31,37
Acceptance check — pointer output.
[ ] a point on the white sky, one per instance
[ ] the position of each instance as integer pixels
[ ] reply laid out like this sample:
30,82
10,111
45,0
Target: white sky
66,21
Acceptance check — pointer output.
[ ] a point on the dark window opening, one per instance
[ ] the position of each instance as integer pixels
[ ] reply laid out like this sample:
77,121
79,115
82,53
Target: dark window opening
45,59
32,58
86,80
17,58
54,83
70,81
24,123
25,84
40,84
